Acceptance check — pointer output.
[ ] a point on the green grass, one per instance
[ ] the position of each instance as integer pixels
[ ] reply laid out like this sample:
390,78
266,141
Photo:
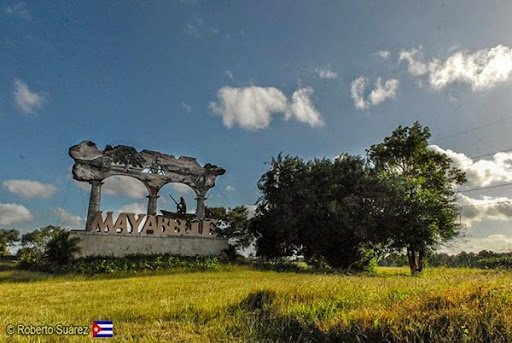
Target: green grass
245,305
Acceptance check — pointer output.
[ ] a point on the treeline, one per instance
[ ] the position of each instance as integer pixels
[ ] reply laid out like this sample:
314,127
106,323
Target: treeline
483,259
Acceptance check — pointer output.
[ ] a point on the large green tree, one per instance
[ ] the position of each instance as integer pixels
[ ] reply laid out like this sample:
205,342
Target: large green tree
283,194
321,209
421,211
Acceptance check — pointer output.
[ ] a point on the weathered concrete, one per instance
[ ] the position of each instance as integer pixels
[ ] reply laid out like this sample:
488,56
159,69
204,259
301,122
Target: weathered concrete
152,168
94,202
104,244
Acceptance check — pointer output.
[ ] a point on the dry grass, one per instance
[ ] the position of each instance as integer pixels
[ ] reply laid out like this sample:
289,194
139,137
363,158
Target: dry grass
443,305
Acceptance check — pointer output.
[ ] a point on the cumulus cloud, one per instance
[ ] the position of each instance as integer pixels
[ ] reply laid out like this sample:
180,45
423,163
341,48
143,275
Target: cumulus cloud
69,220
378,94
482,172
481,70
326,72
384,54
384,91
14,213
26,100
124,185
303,109
252,107
495,242
135,207
485,208
181,188
30,189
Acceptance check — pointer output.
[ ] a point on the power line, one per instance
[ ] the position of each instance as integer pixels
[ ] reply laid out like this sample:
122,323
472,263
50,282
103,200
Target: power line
472,129
492,153
82,196
225,198
488,187
62,206
487,204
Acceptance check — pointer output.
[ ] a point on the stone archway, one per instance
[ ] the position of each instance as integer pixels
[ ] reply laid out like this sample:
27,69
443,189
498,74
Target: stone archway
153,169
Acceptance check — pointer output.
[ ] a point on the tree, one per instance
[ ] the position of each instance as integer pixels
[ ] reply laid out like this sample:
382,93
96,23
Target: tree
276,224
47,244
233,224
336,220
37,240
321,209
61,248
7,239
421,211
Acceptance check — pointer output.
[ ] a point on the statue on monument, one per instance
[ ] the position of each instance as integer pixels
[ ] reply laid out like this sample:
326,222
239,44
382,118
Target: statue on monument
182,206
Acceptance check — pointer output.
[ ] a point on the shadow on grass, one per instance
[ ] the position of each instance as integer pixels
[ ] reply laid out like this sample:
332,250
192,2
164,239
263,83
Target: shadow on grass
257,319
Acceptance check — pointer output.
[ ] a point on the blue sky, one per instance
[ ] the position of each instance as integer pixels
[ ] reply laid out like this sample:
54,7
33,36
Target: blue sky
235,83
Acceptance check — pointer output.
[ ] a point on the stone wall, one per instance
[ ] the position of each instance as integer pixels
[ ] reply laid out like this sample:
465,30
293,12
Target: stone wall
104,244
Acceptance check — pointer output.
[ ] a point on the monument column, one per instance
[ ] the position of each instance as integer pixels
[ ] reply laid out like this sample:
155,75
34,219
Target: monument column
152,201
200,205
94,202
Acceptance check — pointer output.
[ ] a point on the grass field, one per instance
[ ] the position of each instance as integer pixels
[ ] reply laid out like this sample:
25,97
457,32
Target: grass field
237,304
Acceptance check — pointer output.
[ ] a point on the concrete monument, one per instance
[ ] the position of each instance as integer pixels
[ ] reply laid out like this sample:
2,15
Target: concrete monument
183,234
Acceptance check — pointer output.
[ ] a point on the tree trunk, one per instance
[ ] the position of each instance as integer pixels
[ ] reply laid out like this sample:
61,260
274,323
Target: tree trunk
415,260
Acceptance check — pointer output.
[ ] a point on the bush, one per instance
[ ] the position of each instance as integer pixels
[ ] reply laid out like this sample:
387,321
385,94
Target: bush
95,265
61,248
45,247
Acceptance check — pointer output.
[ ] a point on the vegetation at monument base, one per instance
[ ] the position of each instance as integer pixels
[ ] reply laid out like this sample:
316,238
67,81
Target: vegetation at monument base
245,305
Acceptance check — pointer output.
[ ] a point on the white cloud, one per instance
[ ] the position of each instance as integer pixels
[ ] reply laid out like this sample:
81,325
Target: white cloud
229,74
14,213
18,9
252,107
181,188
186,107
482,172
357,92
30,189
495,242
481,70
485,208
384,54
415,68
25,99
303,109
325,72
68,220
384,91
230,188
380,92
136,207
124,185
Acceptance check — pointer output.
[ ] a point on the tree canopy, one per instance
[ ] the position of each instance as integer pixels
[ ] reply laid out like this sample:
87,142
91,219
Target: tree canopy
338,211
422,207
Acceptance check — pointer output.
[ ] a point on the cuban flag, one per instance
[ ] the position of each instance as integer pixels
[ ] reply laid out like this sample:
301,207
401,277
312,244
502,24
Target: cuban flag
102,328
